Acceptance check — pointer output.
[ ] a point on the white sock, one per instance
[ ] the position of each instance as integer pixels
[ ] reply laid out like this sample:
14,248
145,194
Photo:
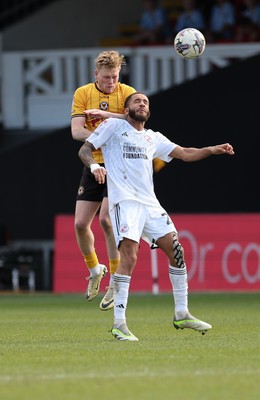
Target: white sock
121,290
95,271
179,281
111,280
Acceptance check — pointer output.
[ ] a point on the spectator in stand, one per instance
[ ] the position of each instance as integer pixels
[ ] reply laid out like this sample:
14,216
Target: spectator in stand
190,17
154,26
222,21
248,29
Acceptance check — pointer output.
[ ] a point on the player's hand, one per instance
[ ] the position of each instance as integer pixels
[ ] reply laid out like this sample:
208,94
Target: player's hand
100,174
225,148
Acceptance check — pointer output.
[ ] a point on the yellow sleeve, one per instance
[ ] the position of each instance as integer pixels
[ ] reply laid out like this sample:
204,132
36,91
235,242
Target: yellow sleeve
79,103
158,164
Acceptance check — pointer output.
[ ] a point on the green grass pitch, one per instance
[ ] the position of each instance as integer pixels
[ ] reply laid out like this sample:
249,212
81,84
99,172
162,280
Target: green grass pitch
59,347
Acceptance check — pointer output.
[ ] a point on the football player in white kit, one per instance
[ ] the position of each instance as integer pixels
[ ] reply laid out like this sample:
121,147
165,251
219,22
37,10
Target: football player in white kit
129,149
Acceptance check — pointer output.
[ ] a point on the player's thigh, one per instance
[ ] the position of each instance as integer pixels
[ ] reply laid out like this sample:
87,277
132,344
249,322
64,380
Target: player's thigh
104,212
128,219
85,211
158,224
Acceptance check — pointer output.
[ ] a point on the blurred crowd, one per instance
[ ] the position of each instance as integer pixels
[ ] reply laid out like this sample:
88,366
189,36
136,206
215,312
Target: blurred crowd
221,21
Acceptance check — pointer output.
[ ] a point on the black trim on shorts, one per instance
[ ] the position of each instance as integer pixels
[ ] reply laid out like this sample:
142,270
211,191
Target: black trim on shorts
117,217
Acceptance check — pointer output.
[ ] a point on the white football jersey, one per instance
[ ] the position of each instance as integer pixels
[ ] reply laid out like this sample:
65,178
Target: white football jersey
128,156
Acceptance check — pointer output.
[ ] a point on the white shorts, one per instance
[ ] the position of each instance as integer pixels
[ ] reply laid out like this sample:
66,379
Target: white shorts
134,220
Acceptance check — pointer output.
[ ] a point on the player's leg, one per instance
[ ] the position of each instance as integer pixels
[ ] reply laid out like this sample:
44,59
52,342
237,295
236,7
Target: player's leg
113,254
179,280
84,214
160,230
127,219
89,199
122,279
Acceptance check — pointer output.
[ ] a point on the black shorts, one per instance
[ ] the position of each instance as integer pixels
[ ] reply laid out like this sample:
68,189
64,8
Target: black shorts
89,189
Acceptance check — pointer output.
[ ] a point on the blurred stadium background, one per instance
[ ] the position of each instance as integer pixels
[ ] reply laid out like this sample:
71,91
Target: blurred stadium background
47,50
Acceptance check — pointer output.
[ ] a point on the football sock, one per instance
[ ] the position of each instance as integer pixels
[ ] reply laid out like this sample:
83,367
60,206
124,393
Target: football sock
179,281
113,264
92,264
111,280
122,284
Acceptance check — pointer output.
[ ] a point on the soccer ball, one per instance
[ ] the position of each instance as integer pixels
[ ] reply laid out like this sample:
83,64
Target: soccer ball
189,43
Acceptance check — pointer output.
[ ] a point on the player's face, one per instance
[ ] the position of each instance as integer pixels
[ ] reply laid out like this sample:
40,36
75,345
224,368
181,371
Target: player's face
107,79
139,108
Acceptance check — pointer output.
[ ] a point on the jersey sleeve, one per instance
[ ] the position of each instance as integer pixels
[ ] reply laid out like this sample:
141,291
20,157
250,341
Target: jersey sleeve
103,133
78,103
164,147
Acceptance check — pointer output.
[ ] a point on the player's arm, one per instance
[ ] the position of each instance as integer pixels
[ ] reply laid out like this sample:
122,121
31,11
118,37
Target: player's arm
85,154
78,130
95,112
190,154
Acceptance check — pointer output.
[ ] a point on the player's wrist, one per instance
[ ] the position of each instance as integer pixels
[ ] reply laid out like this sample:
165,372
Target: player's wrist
93,167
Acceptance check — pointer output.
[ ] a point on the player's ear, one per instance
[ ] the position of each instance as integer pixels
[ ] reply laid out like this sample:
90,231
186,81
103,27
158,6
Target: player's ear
126,110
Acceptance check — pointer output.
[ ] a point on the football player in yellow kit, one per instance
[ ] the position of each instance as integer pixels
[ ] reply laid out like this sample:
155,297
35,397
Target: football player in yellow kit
106,93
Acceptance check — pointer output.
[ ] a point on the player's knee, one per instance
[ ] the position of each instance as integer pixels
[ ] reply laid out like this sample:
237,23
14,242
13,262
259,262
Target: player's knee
79,225
105,223
178,253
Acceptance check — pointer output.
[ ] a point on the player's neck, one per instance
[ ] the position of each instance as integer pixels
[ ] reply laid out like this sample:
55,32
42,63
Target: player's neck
138,125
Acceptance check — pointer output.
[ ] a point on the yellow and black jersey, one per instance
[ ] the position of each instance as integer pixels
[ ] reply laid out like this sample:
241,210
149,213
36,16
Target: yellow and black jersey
89,96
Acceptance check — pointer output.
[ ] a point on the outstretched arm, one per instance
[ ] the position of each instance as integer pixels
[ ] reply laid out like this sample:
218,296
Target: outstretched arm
95,112
85,154
190,154
78,129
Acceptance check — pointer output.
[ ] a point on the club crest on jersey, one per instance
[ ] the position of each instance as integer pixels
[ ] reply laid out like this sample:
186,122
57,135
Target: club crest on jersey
148,139
103,106
124,228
